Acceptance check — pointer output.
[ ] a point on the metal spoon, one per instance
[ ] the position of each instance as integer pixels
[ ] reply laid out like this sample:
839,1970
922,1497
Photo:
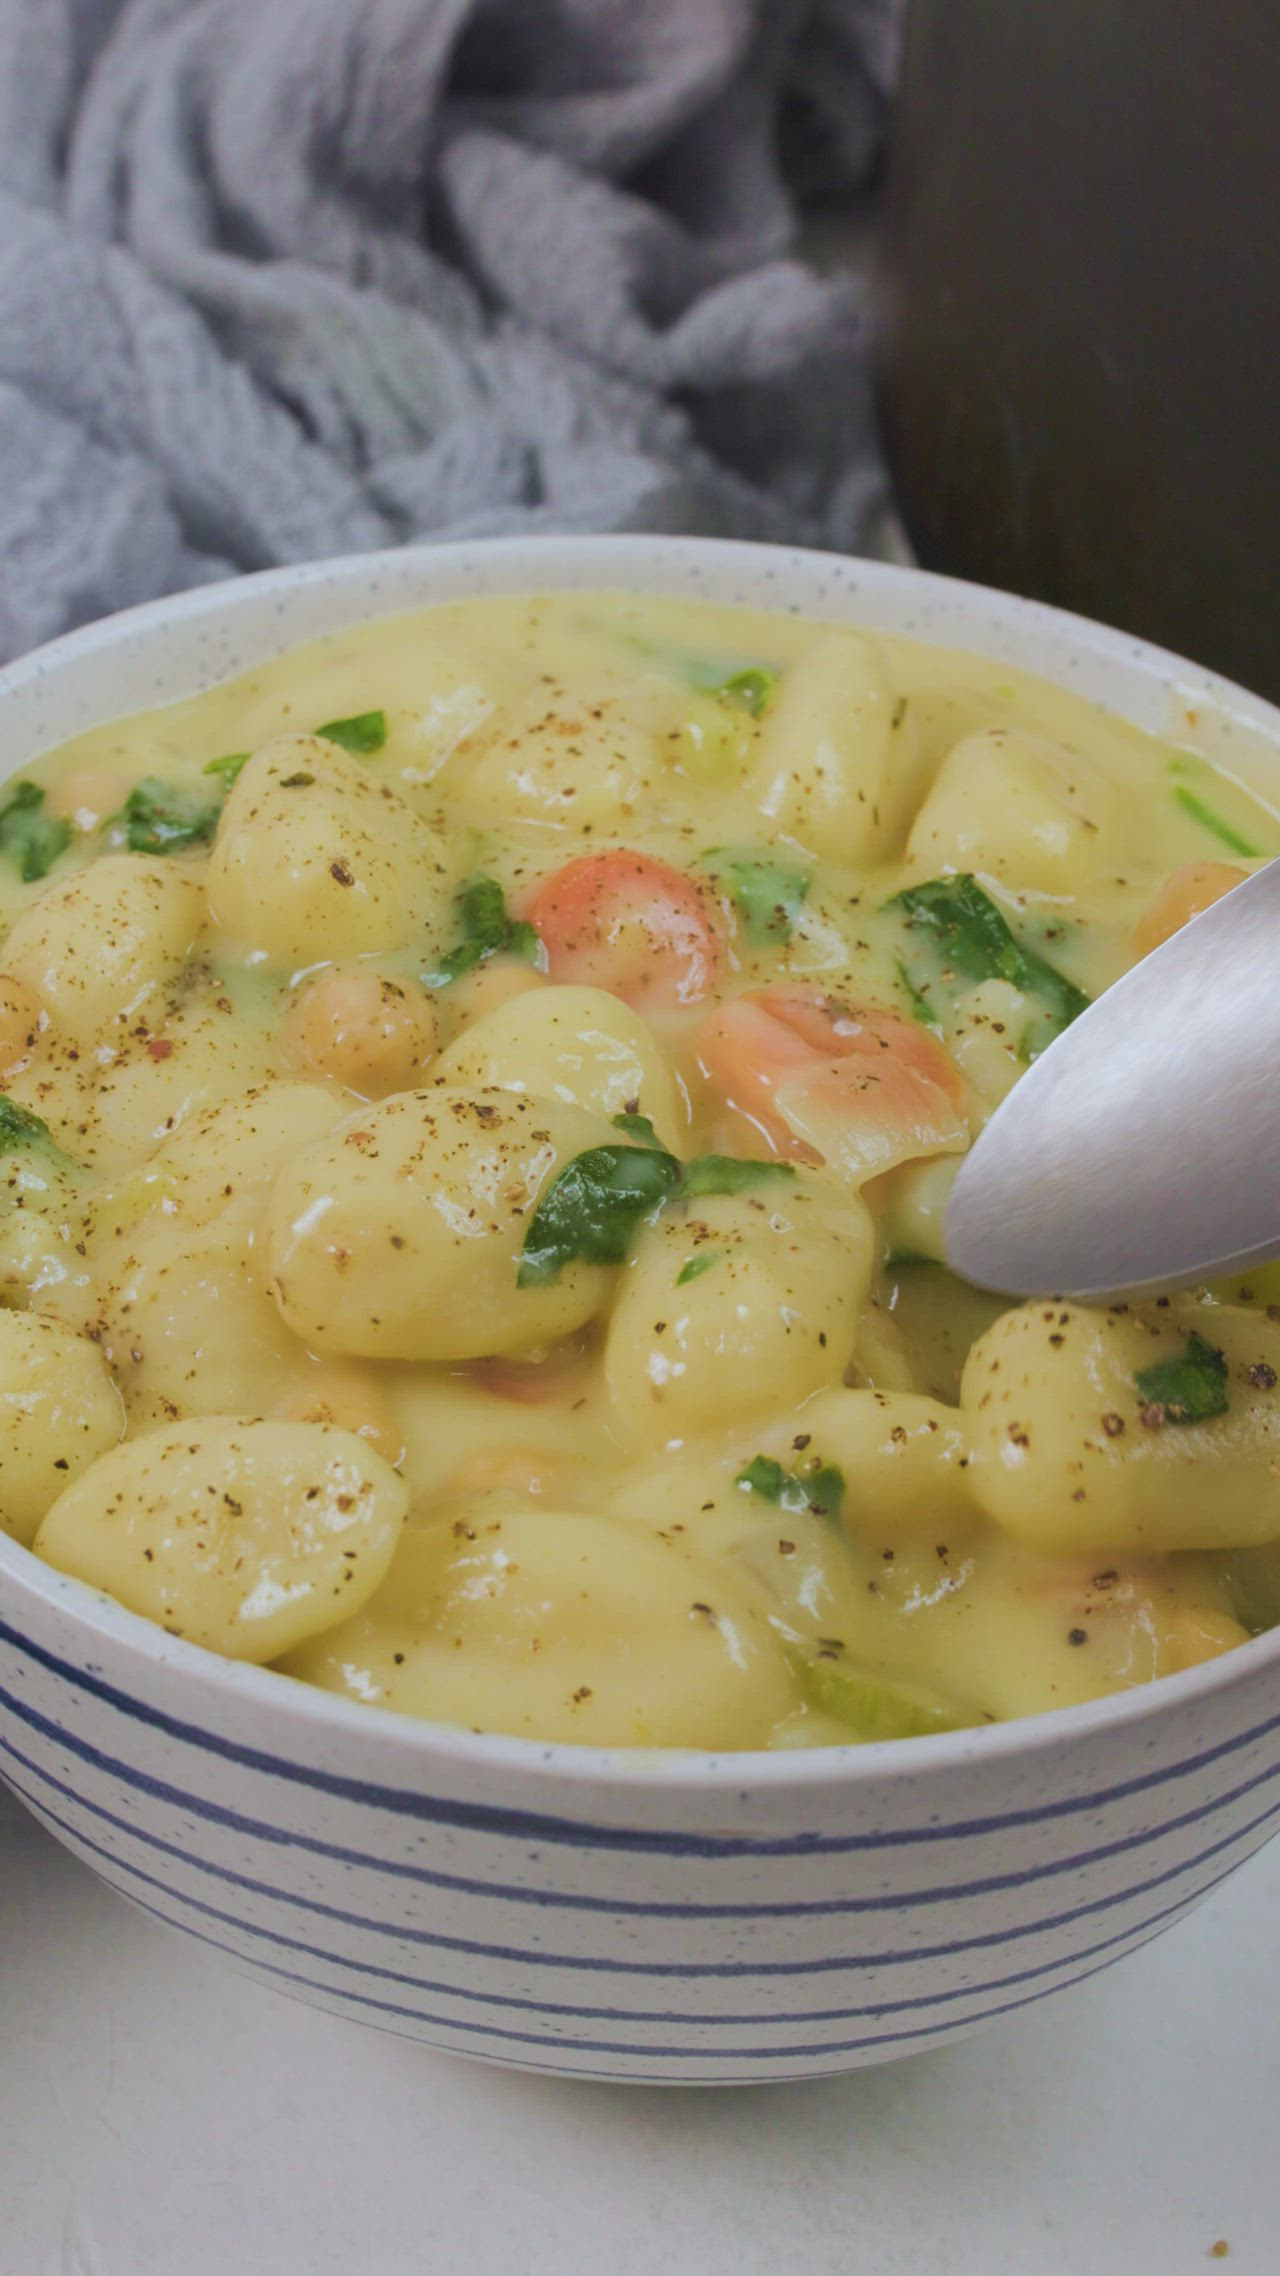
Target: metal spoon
1141,1152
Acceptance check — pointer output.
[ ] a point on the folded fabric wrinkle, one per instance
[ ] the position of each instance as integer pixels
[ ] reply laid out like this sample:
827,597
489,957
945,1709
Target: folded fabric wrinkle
324,275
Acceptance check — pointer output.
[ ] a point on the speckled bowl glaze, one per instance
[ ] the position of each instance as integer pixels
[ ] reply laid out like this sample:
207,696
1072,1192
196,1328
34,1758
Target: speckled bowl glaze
687,1919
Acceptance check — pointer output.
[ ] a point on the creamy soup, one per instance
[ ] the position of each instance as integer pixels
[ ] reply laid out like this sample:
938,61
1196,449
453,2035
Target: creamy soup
478,1097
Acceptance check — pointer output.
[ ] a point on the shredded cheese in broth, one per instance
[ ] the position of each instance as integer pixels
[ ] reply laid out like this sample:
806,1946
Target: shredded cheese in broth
478,1098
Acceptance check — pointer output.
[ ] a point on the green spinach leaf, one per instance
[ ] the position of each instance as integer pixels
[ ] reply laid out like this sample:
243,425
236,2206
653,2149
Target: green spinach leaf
921,1008
229,767
166,817
19,1127
593,1206
639,1127
32,839
1187,1389
486,930
767,892
723,1173
591,1210
750,690
364,733
817,1487
973,939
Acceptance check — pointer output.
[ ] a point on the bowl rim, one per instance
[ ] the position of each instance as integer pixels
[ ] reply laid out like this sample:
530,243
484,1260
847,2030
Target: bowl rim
414,1741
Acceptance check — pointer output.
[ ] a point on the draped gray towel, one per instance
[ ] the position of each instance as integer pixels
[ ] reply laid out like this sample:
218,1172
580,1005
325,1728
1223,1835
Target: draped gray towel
282,278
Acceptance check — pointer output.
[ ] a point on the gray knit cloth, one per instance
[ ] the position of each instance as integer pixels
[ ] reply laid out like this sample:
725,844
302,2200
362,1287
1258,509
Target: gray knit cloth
282,278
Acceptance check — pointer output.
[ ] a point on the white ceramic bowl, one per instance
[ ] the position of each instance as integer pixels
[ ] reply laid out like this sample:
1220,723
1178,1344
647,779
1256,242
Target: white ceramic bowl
692,1919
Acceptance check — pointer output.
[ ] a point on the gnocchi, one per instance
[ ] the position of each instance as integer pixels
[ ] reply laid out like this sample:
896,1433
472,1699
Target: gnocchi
246,1537
59,1410
478,1101
313,852
399,1237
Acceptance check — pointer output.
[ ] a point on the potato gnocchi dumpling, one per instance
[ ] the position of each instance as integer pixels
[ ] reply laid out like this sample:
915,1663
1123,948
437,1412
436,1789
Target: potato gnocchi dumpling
59,1410
478,1101
826,778
579,1045
247,1537
187,1324
103,948
910,1455
399,1236
1020,808
732,1305
558,1626
1145,1427
314,852
576,764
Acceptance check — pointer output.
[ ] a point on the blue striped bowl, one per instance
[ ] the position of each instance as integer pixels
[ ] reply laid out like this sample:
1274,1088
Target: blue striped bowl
685,1919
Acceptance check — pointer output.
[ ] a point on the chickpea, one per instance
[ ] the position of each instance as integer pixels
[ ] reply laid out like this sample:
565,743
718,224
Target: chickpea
20,1022
353,1399
372,1032
87,798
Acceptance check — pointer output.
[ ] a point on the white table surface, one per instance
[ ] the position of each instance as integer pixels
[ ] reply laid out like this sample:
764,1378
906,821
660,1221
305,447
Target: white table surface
160,2116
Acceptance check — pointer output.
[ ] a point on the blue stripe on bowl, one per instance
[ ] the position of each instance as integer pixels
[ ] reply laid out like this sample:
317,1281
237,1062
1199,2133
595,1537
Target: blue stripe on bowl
527,1825
1142,1930
681,2053
954,1892
412,1935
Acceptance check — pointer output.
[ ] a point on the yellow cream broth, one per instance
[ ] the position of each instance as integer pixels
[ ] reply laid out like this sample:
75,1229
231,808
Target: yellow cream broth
521,1303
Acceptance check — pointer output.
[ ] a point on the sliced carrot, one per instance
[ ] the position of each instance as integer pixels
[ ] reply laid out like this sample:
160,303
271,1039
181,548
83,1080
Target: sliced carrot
1196,886
631,924
850,1088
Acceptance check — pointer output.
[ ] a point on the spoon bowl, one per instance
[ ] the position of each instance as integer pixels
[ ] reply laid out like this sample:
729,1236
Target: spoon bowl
1141,1152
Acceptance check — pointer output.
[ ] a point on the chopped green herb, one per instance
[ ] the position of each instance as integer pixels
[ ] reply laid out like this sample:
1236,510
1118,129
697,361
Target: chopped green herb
748,686
876,1706
750,690
694,1268
45,1166
229,767
166,817
767,893
32,839
364,733
19,1127
972,938
300,781
817,1487
591,1210
1224,831
921,1008
487,930
721,1173
639,1127
1192,1388
522,941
